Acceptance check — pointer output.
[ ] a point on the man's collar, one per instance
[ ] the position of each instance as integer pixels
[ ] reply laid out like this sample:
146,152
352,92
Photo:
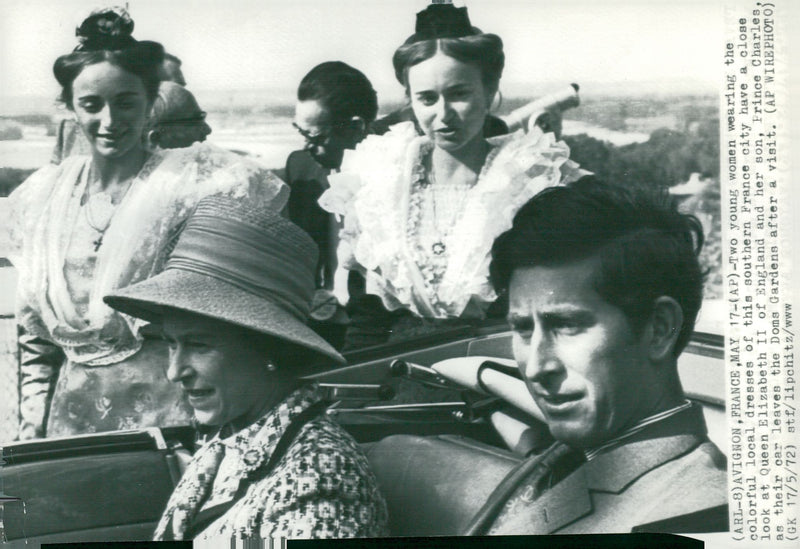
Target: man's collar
635,454
611,471
637,427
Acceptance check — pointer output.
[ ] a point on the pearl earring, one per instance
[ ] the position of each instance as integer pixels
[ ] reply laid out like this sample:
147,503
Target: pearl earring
271,367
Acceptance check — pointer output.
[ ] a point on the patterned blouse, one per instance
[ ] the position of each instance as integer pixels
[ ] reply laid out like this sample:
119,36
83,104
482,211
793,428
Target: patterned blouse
321,488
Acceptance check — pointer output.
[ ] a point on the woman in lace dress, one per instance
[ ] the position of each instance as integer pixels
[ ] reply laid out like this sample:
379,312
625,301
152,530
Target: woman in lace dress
420,212
99,222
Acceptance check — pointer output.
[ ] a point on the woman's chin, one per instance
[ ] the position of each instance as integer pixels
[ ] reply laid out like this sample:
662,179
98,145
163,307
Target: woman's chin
207,417
447,143
113,150
453,143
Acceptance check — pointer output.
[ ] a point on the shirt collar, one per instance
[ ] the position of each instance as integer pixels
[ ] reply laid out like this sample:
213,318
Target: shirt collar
636,428
660,441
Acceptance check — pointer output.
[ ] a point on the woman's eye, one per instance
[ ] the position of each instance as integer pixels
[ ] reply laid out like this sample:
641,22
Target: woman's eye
427,100
90,107
567,328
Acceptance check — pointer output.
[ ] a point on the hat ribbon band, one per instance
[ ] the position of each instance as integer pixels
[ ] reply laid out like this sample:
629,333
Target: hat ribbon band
225,251
295,309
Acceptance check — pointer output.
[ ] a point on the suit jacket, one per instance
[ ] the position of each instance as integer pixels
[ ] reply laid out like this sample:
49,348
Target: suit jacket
308,180
669,477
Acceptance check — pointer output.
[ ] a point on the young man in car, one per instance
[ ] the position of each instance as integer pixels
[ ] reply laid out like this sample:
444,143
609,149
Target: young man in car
604,287
335,105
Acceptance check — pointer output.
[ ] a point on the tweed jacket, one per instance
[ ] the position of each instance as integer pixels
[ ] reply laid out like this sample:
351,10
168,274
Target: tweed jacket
669,477
321,488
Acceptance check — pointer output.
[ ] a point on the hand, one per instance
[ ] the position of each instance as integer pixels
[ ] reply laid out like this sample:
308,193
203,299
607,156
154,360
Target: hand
550,120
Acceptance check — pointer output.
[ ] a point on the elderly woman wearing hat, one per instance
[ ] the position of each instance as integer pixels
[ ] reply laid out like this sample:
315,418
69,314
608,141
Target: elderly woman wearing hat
232,303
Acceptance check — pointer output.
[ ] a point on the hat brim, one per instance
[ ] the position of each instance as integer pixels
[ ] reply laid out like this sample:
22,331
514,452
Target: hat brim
204,295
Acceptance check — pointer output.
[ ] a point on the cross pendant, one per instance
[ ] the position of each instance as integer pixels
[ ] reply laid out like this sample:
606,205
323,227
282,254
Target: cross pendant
97,243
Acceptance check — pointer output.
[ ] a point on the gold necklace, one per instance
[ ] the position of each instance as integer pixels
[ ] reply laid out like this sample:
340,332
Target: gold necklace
439,247
86,202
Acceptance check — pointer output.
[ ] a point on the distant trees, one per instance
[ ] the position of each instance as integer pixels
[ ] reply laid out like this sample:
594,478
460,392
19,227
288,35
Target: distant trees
10,178
669,157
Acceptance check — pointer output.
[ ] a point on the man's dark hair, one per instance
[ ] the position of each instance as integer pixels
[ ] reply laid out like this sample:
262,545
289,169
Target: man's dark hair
341,89
647,248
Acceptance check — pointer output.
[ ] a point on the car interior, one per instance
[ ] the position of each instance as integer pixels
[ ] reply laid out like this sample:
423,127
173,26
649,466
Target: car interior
437,460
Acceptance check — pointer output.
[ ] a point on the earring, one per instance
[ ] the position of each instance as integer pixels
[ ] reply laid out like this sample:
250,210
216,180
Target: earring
499,97
271,367
152,137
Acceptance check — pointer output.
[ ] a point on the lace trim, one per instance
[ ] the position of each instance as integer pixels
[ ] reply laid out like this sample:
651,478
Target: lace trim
166,189
432,261
376,194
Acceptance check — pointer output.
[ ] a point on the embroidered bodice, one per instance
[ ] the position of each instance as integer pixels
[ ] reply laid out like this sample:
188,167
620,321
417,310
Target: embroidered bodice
425,246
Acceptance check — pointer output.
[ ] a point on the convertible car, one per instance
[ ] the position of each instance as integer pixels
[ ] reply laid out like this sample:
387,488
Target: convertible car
470,415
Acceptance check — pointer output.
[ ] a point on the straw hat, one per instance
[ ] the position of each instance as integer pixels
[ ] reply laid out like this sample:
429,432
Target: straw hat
237,263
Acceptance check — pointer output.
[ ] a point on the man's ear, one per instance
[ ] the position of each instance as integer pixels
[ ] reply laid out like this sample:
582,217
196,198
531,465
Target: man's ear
490,97
359,126
665,326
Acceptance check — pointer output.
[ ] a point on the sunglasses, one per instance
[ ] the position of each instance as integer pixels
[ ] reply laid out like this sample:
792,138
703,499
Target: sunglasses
196,119
318,138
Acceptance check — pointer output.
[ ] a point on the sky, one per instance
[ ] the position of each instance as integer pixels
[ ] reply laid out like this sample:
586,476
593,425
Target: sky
270,44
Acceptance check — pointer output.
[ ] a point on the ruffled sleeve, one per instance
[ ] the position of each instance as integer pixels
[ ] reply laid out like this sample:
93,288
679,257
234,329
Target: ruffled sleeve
366,195
135,244
26,202
372,195
187,175
519,166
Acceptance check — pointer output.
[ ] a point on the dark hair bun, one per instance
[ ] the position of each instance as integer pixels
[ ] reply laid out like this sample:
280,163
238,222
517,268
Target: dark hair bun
442,21
106,29
106,36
